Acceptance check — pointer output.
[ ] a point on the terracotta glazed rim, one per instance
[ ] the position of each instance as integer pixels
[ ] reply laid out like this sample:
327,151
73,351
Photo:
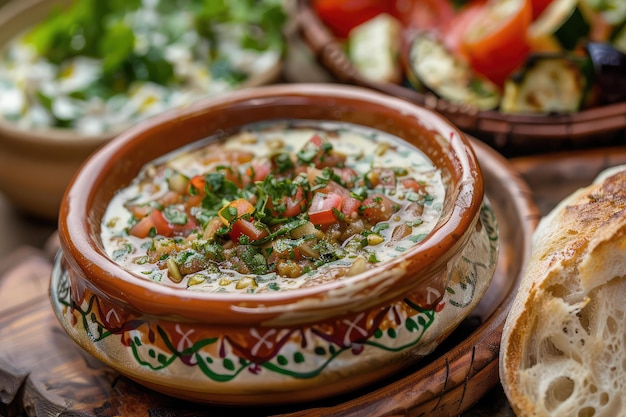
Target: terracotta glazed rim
117,162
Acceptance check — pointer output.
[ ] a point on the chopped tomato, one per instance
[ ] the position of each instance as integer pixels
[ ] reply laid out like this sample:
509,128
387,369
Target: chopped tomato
234,210
377,208
163,227
311,151
318,152
381,177
539,6
155,220
422,14
347,175
323,208
412,184
248,228
341,16
142,228
196,185
193,201
290,206
294,204
258,171
316,141
454,30
495,42
233,175
140,211
349,204
185,229
231,215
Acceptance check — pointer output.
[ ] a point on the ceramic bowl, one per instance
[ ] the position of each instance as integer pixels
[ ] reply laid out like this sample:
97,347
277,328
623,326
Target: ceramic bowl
37,164
275,347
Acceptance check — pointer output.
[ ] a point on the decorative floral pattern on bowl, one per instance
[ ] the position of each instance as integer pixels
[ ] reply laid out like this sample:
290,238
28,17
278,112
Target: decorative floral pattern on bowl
282,347
258,360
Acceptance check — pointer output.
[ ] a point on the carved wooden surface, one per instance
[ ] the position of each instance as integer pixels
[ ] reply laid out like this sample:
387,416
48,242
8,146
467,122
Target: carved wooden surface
42,372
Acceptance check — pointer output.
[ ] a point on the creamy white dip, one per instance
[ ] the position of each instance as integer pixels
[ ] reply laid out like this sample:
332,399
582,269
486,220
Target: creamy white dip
369,153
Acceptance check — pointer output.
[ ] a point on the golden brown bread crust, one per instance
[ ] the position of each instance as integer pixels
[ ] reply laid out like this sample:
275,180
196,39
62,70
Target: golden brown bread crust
563,348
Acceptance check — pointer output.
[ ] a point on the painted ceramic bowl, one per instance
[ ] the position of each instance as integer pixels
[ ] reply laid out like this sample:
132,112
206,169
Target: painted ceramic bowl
275,347
39,158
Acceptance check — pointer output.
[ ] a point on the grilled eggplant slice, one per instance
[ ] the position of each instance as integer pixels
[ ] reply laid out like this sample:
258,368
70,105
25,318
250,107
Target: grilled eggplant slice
547,84
432,67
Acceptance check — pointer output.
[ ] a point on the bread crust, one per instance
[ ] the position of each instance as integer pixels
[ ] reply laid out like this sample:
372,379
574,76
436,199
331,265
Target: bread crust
563,348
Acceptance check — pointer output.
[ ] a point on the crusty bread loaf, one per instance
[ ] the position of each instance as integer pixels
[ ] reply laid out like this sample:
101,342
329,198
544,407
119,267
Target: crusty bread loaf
563,350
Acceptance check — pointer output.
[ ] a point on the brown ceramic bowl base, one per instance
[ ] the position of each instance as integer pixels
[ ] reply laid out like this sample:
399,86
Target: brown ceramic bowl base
321,340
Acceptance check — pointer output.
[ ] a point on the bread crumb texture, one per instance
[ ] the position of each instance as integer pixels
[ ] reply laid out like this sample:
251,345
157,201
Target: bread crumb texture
563,350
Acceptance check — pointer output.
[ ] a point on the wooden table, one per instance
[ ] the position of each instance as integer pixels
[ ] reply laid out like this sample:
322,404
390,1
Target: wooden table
28,246
42,372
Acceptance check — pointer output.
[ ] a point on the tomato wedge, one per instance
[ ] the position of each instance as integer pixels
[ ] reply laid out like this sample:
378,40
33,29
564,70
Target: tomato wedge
377,208
422,14
258,171
290,206
323,208
155,220
413,185
196,185
248,228
341,16
349,205
539,6
455,29
495,42
234,210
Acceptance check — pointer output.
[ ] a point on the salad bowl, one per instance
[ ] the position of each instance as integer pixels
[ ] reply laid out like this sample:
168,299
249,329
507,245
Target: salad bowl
61,101
239,335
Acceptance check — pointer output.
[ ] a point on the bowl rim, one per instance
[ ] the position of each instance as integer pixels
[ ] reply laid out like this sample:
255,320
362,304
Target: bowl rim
84,252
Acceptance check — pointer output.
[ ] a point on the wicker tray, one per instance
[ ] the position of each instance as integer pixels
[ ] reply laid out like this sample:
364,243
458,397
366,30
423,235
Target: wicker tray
511,134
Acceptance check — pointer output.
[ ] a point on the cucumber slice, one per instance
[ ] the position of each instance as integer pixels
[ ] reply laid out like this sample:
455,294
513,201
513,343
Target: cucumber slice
548,83
373,49
432,67
613,11
561,26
